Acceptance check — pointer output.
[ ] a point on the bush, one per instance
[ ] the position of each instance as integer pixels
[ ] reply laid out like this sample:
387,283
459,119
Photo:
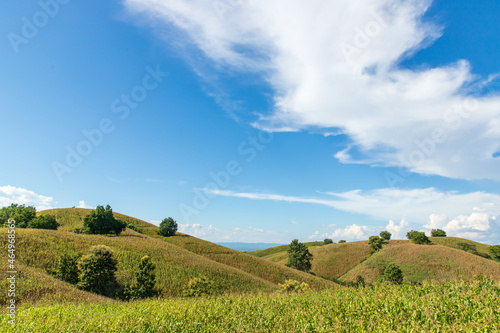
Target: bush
359,282
342,241
145,281
299,256
168,227
97,271
199,287
294,286
44,222
67,268
22,215
418,237
385,235
77,230
101,222
467,247
494,251
438,233
328,241
132,227
375,242
393,274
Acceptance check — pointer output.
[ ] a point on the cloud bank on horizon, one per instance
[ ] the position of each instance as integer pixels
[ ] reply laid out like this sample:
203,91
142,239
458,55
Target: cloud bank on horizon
334,67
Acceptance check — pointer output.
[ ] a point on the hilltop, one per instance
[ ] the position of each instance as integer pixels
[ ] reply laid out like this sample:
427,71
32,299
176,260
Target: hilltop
178,259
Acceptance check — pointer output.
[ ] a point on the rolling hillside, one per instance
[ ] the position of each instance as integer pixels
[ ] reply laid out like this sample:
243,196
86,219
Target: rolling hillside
177,258
426,262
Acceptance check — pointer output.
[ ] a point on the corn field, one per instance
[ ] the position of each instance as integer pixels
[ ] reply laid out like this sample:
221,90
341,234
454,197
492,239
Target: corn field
456,306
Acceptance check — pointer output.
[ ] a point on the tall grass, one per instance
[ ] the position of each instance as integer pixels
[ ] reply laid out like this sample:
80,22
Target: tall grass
456,306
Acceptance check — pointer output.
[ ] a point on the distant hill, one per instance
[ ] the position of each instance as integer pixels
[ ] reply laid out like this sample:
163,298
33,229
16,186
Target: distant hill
280,248
178,259
248,247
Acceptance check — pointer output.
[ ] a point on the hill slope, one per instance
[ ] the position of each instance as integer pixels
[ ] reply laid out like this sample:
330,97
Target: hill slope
426,262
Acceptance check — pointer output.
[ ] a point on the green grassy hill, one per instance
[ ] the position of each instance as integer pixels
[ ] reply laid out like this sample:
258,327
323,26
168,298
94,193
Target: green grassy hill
426,262
178,258
282,248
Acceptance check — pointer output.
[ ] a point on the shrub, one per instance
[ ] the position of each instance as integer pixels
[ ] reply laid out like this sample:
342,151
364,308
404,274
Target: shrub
418,237
299,256
375,242
393,274
77,231
67,268
199,287
294,286
359,282
101,221
385,235
342,241
467,247
132,227
22,215
168,227
145,281
494,251
97,271
438,233
44,222
328,241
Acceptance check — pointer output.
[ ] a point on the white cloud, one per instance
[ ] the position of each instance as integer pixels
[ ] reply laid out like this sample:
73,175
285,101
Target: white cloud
250,234
398,231
333,65
82,204
349,233
10,194
459,213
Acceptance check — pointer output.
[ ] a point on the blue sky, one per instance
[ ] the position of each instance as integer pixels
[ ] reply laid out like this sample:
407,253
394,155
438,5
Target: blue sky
257,121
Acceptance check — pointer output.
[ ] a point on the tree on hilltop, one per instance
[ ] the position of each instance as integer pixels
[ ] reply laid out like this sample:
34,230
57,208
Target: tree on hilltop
385,235
168,227
101,222
418,237
438,233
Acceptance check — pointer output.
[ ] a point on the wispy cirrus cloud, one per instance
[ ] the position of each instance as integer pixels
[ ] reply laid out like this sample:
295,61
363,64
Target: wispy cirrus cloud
335,66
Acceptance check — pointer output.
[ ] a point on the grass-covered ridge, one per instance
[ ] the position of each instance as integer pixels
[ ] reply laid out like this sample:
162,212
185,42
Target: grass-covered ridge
281,248
455,306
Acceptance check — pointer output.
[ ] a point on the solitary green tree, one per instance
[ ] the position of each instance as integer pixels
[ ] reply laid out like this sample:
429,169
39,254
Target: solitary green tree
342,241
97,271
101,221
328,241
418,237
299,256
393,274
438,233
168,227
385,235
375,242
145,281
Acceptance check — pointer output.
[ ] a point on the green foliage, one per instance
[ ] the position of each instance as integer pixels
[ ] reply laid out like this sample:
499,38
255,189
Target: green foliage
342,241
101,222
97,271
418,237
294,286
328,241
467,247
438,233
202,286
359,282
168,227
385,235
375,242
67,268
299,256
494,251
43,222
132,227
393,274
145,281
22,215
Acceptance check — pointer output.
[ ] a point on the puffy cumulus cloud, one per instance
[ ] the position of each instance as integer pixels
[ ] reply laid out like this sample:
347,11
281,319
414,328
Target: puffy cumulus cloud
349,233
10,194
398,231
334,66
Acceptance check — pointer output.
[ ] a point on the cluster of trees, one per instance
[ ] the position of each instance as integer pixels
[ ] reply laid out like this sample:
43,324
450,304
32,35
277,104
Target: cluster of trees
377,242
95,272
418,237
25,217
